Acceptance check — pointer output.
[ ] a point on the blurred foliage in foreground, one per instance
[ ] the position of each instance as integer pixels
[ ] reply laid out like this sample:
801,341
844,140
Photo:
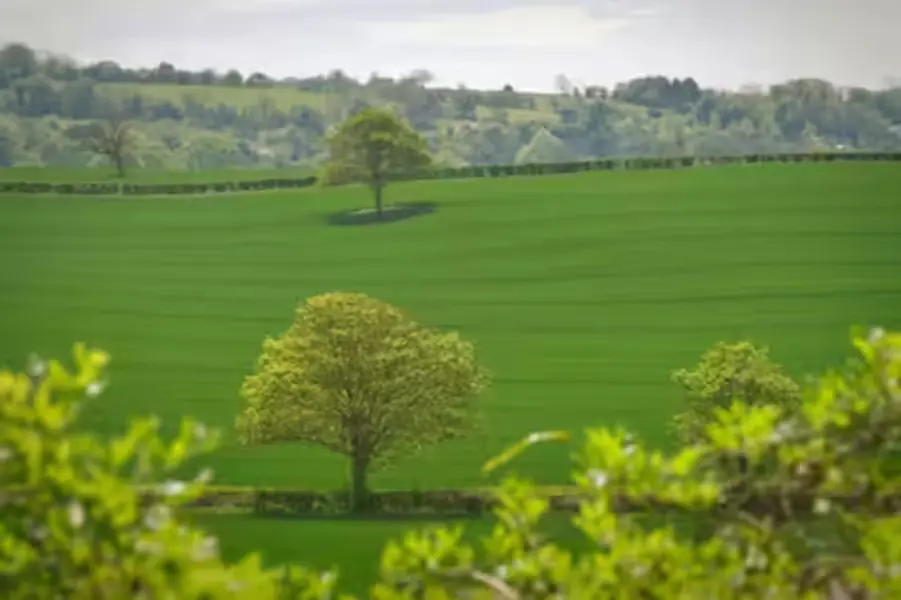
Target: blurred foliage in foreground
798,503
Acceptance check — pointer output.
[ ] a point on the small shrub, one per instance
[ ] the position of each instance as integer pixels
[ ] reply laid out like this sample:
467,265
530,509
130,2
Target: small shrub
729,372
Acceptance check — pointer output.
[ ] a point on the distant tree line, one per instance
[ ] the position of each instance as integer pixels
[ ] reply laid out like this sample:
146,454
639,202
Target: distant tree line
256,119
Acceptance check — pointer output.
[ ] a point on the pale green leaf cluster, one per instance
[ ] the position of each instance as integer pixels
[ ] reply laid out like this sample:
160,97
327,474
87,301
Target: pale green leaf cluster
357,376
73,523
374,147
727,372
799,503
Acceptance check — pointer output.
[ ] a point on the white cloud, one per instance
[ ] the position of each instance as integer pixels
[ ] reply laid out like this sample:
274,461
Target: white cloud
480,42
646,11
564,27
253,6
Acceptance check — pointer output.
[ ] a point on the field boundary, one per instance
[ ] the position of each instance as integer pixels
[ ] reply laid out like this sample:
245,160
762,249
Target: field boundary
273,502
296,503
109,188
650,163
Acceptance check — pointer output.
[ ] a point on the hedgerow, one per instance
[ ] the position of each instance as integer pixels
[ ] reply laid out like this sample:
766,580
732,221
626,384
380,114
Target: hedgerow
330,178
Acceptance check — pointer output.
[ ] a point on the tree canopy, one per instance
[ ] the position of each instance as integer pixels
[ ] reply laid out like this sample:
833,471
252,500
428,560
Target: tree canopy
729,372
111,138
374,146
357,376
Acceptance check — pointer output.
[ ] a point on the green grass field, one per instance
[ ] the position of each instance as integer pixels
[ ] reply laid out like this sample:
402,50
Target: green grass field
284,97
355,547
75,175
521,115
581,292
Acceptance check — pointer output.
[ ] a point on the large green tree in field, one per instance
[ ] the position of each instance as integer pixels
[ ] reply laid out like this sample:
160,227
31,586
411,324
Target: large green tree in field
357,376
374,147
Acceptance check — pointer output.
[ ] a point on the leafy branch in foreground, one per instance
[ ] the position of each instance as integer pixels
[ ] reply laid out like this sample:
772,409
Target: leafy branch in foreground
744,482
73,521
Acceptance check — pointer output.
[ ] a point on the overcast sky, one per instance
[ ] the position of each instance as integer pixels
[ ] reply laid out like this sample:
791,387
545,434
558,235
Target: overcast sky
482,43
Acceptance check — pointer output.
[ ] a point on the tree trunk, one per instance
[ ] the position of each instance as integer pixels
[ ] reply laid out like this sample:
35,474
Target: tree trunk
378,199
359,488
120,165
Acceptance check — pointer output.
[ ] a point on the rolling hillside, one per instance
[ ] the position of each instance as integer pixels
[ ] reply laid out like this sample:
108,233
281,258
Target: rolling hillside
581,292
282,97
186,120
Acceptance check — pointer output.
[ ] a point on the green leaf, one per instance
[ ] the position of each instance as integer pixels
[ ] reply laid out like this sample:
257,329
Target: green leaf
523,445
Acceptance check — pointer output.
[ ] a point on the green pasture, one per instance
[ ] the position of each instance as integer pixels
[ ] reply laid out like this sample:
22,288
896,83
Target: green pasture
353,546
581,292
283,97
521,115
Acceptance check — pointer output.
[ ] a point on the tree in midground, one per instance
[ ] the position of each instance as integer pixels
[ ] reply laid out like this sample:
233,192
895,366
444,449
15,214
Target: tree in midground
729,372
112,138
375,147
357,376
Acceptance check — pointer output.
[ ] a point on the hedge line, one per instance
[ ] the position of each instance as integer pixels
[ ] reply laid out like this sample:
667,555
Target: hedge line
605,164
280,502
476,502
644,163
108,188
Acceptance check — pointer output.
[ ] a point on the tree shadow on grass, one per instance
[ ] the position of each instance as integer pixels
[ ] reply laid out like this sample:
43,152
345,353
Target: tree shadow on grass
390,214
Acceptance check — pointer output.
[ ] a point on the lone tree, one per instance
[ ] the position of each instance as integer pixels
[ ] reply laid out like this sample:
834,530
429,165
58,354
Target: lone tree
729,372
373,147
355,375
111,137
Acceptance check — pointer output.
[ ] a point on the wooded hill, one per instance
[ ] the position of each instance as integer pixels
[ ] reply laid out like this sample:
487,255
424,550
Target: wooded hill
203,120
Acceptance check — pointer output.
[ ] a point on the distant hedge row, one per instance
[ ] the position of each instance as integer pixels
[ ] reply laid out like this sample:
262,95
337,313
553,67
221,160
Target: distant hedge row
299,503
473,502
644,163
108,188
604,164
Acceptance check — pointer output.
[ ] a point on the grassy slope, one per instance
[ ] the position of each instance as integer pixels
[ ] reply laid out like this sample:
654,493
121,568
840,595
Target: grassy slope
582,291
355,547
284,97
520,115
286,541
